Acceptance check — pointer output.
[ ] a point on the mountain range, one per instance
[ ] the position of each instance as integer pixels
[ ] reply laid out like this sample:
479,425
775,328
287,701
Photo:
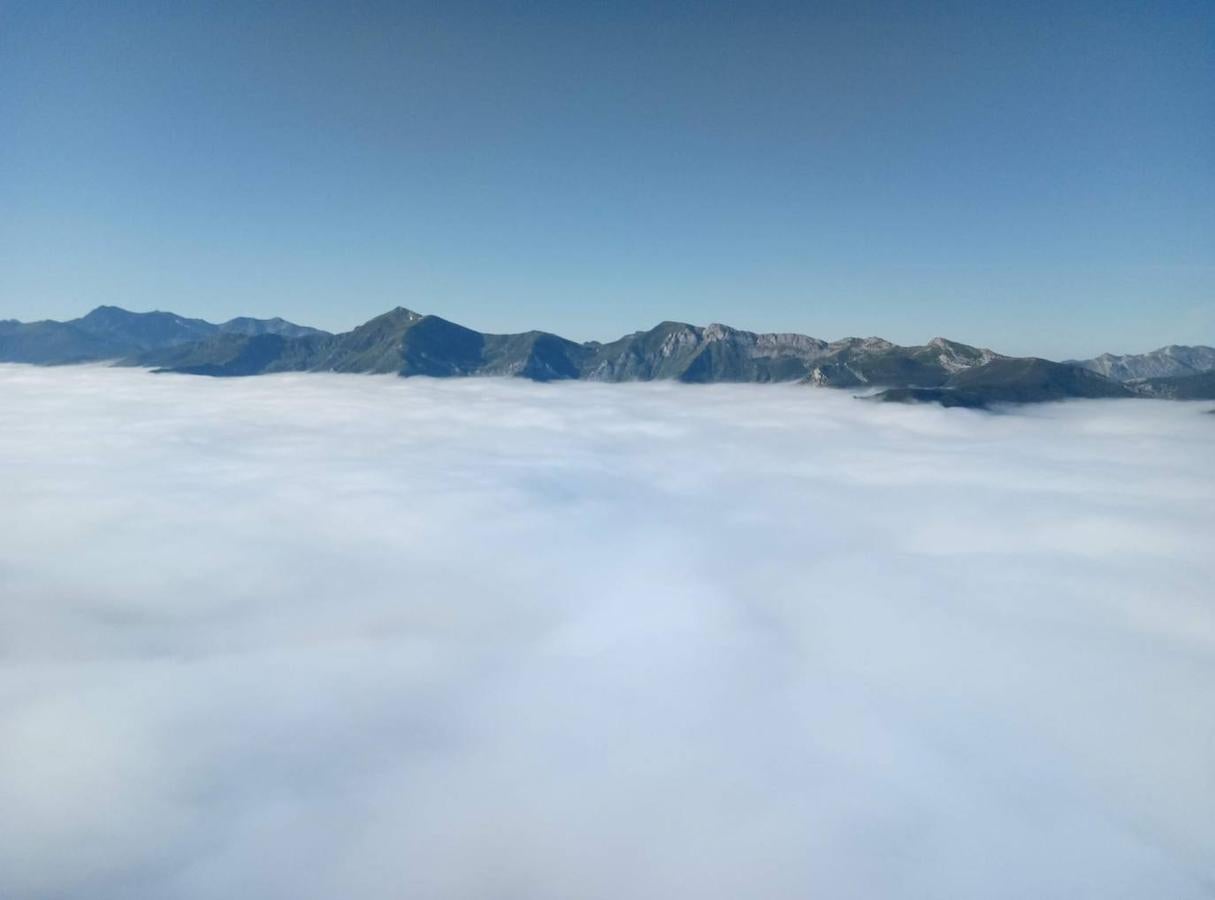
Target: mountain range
409,343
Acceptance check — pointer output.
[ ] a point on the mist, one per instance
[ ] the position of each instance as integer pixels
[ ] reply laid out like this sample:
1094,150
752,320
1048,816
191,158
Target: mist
309,636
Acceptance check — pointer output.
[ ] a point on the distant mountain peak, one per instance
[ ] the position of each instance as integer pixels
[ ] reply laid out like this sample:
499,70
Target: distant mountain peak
944,343
277,325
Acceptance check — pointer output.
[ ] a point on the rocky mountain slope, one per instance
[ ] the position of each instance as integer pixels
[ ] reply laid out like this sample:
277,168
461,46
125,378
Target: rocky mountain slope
1167,362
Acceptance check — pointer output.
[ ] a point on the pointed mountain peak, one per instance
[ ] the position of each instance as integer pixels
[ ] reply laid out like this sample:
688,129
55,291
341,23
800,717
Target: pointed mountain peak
107,311
400,314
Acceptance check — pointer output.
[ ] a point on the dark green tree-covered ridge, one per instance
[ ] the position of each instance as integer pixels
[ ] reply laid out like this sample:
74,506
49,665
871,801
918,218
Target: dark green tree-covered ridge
408,343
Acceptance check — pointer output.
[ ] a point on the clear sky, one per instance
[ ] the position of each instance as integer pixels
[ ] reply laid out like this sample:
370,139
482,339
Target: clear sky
1035,177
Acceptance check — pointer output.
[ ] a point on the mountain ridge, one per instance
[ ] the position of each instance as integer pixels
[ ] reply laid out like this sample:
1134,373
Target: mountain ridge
1170,361
407,343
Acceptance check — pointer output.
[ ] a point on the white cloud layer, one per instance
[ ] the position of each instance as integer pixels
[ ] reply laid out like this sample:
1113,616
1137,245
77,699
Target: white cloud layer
341,636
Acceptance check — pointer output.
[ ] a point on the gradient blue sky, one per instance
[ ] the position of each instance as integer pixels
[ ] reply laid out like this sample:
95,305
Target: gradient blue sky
1036,177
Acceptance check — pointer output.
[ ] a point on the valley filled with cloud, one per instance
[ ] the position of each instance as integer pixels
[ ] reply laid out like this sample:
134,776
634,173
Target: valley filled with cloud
310,636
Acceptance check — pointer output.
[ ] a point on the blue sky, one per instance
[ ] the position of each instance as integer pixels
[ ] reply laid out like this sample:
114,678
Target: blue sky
1039,178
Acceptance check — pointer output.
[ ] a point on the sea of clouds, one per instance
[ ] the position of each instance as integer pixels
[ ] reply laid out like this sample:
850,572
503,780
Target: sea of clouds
355,636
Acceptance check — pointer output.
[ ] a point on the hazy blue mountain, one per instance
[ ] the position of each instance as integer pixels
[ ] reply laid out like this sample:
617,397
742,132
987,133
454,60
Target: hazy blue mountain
53,343
251,327
112,333
1167,362
142,330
